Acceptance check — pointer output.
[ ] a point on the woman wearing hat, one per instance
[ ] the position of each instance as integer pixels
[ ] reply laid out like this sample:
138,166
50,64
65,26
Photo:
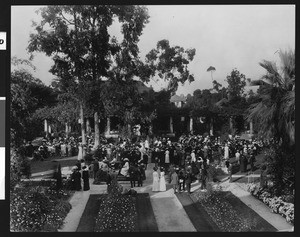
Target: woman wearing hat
125,168
85,177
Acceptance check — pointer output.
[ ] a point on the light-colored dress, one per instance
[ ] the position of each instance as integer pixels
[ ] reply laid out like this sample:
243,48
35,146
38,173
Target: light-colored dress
125,168
162,183
193,157
63,149
226,152
167,157
155,185
80,153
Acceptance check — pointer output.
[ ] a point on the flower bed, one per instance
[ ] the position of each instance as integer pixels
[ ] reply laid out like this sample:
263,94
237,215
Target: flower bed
38,208
117,211
277,204
221,211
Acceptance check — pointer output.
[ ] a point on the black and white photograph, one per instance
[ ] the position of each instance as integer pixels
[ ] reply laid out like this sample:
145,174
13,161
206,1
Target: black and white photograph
152,118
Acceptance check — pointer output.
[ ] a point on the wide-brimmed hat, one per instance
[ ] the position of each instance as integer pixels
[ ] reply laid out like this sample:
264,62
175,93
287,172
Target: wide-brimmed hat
126,159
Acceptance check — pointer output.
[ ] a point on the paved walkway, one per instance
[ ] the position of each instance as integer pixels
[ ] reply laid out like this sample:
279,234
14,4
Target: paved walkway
169,213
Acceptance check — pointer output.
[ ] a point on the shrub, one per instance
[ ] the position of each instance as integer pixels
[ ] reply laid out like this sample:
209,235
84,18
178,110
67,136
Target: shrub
214,172
277,204
34,209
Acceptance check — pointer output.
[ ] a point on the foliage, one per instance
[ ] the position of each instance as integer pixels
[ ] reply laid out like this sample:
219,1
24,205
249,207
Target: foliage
214,172
117,211
275,110
281,167
277,204
19,166
77,39
236,84
27,95
171,63
35,209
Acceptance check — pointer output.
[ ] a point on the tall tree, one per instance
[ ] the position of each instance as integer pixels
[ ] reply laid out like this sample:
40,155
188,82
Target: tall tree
77,39
171,63
236,84
211,69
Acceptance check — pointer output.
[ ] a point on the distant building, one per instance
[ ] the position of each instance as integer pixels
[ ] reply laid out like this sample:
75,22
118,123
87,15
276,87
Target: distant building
179,101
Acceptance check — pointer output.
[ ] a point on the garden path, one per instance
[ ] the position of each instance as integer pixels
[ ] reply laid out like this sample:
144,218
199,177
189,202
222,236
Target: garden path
169,212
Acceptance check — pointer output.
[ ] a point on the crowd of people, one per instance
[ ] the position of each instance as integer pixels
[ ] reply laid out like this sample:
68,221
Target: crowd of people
182,161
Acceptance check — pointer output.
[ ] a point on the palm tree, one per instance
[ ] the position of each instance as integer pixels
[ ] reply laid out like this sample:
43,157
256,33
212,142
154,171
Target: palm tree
211,69
275,111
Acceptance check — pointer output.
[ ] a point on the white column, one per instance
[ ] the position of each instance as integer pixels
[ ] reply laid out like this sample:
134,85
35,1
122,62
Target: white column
251,127
171,124
191,125
46,126
49,129
66,128
108,125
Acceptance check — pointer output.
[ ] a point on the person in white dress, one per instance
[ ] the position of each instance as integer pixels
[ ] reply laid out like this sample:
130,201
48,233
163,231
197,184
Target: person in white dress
80,152
125,168
193,156
63,148
237,157
226,152
167,157
155,185
162,180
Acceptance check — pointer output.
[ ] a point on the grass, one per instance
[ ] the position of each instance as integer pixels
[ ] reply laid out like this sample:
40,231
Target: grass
50,164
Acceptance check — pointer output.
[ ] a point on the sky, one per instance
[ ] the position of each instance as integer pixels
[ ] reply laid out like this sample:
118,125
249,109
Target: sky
224,36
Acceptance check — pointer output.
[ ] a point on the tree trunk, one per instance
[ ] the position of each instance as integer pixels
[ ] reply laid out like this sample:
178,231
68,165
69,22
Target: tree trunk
251,127
97,130
82,125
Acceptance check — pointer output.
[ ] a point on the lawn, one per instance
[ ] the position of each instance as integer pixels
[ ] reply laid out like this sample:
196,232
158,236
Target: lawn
51,164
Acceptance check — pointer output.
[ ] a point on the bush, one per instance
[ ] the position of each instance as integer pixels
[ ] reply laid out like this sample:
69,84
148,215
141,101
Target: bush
214,173
34,209
19,166
277,204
